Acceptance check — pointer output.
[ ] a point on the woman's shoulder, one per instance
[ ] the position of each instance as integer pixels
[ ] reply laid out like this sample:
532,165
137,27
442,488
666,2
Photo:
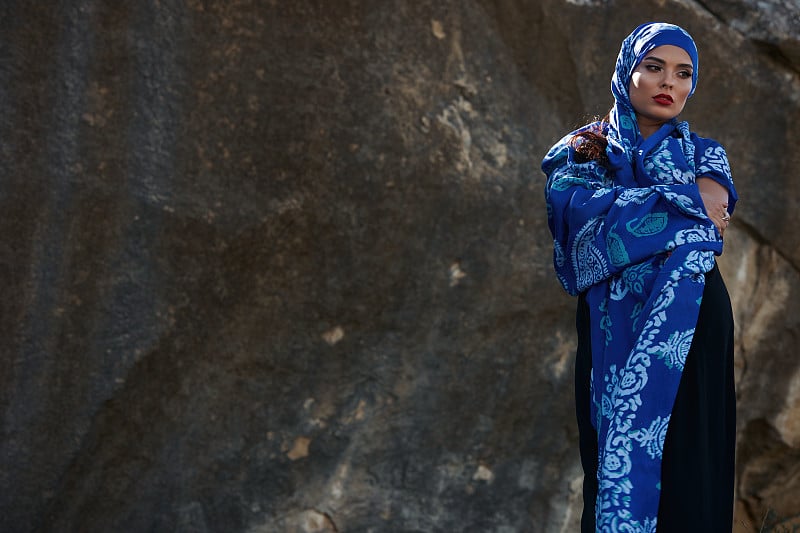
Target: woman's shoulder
711,160
703,142
579,155
704,148
707,148
564,149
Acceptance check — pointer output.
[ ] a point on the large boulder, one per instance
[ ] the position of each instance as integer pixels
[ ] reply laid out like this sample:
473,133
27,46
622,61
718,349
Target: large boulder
285,266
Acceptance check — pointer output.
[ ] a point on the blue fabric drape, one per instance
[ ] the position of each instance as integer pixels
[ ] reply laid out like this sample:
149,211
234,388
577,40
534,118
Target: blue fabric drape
634,235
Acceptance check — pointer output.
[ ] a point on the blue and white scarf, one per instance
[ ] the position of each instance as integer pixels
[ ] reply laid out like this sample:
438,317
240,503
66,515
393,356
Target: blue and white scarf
634,234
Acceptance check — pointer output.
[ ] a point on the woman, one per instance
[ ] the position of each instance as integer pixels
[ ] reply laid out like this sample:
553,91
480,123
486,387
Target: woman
638,205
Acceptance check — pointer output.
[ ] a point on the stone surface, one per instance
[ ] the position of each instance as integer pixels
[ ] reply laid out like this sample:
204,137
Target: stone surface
274,266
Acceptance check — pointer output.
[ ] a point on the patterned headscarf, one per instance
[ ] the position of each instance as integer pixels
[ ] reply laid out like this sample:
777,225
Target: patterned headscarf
624,137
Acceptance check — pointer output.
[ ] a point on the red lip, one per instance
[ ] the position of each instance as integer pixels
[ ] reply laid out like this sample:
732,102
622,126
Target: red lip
663,99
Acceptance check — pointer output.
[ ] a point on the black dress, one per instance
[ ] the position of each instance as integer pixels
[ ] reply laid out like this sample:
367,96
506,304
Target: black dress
697,469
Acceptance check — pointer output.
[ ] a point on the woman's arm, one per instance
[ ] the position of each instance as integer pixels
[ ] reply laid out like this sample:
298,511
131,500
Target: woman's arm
715,199
600,228
714,181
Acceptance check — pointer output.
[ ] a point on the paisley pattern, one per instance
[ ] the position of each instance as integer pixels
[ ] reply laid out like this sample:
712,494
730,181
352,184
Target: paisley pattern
616,248
640,244
649,224
587,256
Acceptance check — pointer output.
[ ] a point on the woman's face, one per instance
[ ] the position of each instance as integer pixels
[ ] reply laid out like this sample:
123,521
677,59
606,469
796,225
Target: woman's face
659,87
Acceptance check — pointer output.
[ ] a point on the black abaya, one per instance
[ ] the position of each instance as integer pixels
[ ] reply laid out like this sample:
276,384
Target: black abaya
697,469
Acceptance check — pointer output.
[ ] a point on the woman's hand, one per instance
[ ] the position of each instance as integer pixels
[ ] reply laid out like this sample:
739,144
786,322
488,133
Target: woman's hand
715,199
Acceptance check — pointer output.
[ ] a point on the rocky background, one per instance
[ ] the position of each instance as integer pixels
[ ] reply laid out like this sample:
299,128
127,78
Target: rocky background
284,266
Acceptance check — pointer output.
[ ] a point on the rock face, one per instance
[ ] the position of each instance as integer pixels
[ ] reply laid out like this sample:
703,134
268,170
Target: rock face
284,266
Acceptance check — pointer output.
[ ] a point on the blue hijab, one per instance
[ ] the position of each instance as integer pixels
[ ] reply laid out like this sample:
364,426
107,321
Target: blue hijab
634,236
624,137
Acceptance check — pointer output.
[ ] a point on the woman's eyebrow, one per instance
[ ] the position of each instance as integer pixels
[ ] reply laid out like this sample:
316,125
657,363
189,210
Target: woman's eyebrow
662,62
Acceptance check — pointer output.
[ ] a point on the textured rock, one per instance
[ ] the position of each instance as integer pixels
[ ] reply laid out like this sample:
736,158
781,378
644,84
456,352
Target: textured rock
274,266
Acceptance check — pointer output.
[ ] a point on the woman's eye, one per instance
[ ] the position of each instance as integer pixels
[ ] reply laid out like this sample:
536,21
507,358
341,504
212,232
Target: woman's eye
653,68
685,74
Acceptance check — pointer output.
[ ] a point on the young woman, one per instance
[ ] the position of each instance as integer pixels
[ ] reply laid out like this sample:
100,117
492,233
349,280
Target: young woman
638,205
